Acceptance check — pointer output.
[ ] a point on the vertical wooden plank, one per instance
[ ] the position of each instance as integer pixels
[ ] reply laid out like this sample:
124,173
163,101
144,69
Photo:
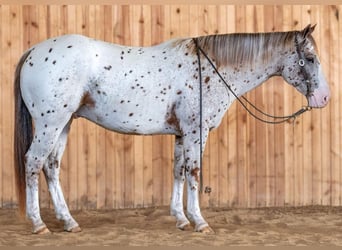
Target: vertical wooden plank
101,134
5,112
252,126
161,144
128,139
298,135
261,135
288,129
90,133
138,19
326,114
232,128
124,153
1,106
82,27
108,135
317,122
270,103
335,126
146,39
339,89
307,136
241,128
157,141
164,21
211,26
277,187
16,42
223,159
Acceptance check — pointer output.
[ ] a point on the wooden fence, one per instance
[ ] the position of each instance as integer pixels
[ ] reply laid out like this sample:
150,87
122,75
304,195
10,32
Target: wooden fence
246,163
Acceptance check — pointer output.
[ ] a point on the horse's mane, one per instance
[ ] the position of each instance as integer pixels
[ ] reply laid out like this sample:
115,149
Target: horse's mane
243,48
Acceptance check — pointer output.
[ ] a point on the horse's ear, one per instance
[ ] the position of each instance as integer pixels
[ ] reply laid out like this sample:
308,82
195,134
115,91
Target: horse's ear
308,30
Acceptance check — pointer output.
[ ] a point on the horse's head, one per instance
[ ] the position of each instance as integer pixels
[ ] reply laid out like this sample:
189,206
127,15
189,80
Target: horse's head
303,70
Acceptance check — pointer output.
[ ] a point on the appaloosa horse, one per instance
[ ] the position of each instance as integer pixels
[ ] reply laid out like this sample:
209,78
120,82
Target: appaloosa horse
146,91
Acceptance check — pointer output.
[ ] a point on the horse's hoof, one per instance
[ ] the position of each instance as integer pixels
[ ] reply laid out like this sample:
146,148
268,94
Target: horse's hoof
74,230
184,226
42,231
204,228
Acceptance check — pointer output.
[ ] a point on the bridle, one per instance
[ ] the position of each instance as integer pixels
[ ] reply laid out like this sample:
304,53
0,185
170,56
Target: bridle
277,119
302,62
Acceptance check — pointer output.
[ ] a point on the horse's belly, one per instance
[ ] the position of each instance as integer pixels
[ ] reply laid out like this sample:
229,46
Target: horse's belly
129,121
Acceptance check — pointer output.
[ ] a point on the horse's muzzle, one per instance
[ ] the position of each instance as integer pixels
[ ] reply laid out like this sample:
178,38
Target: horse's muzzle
319,98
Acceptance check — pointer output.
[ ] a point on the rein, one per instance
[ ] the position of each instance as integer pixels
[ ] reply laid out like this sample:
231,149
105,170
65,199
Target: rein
277,119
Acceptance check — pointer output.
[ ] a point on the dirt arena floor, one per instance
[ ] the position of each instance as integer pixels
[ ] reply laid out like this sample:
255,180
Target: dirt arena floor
315,226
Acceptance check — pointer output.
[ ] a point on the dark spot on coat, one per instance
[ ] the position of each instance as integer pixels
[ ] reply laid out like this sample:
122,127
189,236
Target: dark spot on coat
207,79
65,105
107,67
31,64
87,100
179,65
70,46
131,114
54,62
194,172
172,118
179,92
46,58
50,50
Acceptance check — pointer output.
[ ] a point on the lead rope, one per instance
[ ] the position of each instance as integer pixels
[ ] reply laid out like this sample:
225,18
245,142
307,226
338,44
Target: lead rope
201,114
283,118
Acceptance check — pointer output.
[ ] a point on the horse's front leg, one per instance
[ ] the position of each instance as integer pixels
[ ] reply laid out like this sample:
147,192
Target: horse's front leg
192,168
177,208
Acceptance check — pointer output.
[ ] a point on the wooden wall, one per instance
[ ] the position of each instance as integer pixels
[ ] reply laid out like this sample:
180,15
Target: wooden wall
246,163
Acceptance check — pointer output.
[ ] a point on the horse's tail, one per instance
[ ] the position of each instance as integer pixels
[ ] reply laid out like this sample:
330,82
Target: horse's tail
22,136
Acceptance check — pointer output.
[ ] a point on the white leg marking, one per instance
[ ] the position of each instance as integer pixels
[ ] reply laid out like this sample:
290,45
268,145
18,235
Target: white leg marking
51,171
177,208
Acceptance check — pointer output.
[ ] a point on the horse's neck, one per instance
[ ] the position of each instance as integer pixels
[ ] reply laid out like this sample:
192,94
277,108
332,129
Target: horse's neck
244,78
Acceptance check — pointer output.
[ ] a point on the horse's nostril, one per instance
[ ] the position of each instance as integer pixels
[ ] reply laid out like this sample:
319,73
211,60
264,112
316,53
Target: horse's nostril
325,98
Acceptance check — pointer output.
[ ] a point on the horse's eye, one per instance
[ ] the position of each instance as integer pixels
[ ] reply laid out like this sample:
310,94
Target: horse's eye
310,59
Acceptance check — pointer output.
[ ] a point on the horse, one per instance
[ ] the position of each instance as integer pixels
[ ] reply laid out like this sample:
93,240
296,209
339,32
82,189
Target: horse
145,91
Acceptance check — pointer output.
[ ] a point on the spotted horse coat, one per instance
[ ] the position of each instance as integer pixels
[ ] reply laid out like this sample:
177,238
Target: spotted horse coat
145,91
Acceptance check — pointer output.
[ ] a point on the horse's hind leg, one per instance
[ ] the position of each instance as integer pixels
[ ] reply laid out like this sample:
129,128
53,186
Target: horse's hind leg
44,141
51,171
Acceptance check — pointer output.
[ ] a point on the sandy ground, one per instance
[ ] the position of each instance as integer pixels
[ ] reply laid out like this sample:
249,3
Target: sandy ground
154,227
